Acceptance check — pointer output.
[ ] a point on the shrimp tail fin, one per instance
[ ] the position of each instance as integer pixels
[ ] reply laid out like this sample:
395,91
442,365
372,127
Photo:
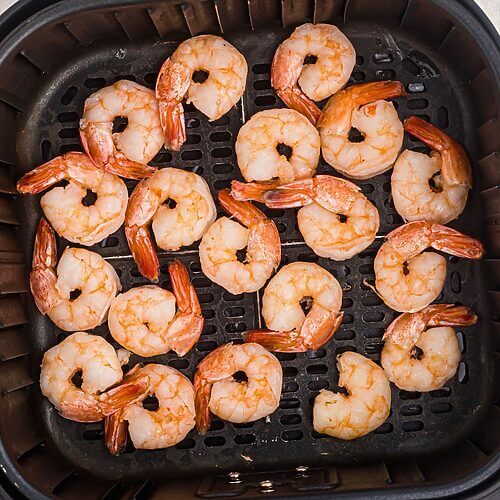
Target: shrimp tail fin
115,433
120,165
277,341
451,315
143,251
173,124
42,177
203,391
325,330
455,243
286,198
251,191
295,99
244,211
366,93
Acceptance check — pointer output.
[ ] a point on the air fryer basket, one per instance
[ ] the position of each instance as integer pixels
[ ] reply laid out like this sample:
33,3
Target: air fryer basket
445,441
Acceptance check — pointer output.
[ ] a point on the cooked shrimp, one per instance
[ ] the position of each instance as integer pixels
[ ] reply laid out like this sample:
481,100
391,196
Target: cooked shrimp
408,278
225,237
144,320
290,330
64,207
362,107
100,369
123,153
366,406
154,429
297,82
337,220
182,225
438,353
76,295
218,391
261,138
225,71
435,187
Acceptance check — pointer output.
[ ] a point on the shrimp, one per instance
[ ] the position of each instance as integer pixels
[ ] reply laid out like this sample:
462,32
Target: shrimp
438,355
218,391
122,153
290,330
297,82
337,220
261,140
362,107
225,237
64,206
182,225
76,295
407,278
144,320
223,71
160,428
366,406
100,369
435,187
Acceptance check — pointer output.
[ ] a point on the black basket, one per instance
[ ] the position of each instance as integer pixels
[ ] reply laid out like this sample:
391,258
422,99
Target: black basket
441,443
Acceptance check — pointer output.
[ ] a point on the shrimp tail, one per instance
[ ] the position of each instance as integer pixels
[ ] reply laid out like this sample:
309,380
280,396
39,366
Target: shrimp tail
42,177
455,165
251,191
295,99
243,211
173,124
115,433
455,243
203,390
143,251
451,315
287,198
365,93
120,165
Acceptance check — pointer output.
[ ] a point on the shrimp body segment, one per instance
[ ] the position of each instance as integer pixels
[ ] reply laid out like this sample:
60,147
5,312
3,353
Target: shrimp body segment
100,369
225,237
366,406
290,329
260,138
173,228
76,295
362,107
416,286
124,153
440,352
226,75
298,83
448,167
218,392
145,321
154,429
64,207
337,220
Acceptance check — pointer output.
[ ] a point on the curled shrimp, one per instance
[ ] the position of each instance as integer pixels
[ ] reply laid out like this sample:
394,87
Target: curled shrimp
362,107
439,352
182,225
363,409
63,206
122,153
225,237
290,330
160,428
434,187
299,83
267,133
218,392
225,70
76,295
408,278
144,320
337,220
100,369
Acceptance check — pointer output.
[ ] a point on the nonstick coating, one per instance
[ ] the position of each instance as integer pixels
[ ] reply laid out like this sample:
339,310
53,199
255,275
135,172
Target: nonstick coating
418,423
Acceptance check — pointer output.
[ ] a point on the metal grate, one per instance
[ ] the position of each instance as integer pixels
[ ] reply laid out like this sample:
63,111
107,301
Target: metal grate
418,422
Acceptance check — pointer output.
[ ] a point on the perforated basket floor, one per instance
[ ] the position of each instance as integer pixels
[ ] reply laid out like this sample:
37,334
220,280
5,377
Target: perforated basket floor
419,423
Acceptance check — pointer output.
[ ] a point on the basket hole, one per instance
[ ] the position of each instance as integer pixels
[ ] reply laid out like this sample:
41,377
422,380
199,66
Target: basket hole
383,57
220,136
371,301
265,100
385,428
201,282
94,83
222,184
179,364
208,313
68,133
195,267
318,354
463,373
238,327
287,404
461,341
348,319
293,419
163,157
359,60
373,316
405,395
290,387
441,407
374,348
412,426
455,282
367,188
294,435
193,139
274,213
46,149
409,410
375,333
358,76
344,335
317,369
442,117
290,371
192,154
285,356
206,298
308,257
206,346
243,425
262,84
67,117
69,95
385,74
444,392
417,103
222,168
186,444
192,123
223,120
416,87
209,329
93,434
151,403
317,385
261,69
216,425
215,441
244,439
228,297
234,312
347,302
